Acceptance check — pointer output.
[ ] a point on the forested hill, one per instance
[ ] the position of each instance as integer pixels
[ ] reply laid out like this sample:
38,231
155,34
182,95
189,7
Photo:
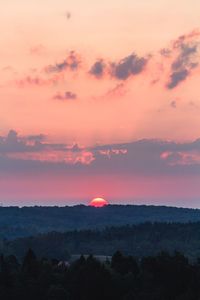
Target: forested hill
138,240
19,222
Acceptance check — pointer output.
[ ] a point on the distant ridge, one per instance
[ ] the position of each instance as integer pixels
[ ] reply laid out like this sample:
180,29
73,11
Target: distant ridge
20,222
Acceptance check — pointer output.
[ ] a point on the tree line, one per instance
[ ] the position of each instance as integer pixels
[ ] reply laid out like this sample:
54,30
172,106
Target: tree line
164,276
137,240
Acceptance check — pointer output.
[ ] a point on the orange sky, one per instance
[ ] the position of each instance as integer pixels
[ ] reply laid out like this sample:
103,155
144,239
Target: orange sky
95,72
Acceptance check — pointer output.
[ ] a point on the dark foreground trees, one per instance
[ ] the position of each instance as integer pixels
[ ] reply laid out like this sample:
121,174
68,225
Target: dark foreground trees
161,277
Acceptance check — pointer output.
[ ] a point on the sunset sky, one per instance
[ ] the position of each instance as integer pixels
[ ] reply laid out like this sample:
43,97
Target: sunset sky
100,99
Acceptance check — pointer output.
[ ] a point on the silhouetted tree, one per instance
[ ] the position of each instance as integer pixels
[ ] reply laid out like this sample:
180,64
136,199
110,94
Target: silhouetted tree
57,293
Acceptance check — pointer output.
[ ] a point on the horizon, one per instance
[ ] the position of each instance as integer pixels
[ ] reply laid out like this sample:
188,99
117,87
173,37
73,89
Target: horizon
72,205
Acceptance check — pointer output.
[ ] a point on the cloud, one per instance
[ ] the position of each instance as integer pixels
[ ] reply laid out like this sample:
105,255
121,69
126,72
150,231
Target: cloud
34,148
98,68
27,152
165,52
173,104
14,143
119,90
33,154
66,96
11,143
177,77
68,157
71,62
28,80
124,68
36,138
68,15
186,49
181,158
38,81
178,62
185,38
128,66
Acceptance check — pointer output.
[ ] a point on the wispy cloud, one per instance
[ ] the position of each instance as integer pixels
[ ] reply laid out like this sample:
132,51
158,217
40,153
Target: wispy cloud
71,62
38,81
66,96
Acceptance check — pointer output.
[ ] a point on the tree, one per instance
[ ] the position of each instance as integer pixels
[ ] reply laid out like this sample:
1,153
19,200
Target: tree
57,292
30,266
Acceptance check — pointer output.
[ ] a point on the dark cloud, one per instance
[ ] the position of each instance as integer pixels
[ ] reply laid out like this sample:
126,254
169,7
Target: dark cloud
128,66
121,70
177,77
72,62
13,143
98,68
59,67
66,96
185,61
185,38
152,145
149,157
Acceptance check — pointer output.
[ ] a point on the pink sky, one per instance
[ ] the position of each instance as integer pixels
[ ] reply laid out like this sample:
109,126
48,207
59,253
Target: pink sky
90,73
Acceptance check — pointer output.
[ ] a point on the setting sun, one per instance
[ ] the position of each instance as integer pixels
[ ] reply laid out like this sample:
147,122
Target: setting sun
98,202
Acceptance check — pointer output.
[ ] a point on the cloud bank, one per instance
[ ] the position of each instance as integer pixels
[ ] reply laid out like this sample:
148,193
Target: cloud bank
142,157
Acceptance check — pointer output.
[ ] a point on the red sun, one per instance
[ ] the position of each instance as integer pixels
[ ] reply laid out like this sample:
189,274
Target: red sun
98,202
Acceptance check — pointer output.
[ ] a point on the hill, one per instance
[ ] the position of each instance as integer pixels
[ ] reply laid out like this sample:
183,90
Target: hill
20,222
138,240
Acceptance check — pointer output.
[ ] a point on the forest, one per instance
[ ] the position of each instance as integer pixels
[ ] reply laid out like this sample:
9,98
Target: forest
164,276
18,222
152,258
146,239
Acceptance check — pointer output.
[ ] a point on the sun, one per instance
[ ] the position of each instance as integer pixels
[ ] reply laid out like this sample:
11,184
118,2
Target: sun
98,202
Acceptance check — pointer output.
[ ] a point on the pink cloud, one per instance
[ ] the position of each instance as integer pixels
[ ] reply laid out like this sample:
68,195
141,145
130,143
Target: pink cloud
66,157
181,157
111,152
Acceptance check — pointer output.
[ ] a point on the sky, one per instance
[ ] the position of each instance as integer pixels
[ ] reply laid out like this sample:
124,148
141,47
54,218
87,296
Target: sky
100,99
